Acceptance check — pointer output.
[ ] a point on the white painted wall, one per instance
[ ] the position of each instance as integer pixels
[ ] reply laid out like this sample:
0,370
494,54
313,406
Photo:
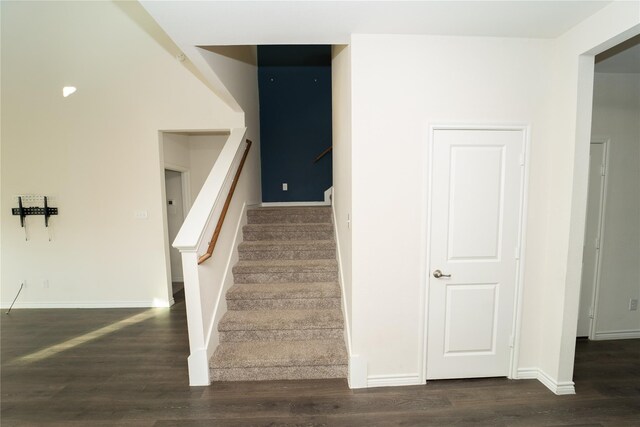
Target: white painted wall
401,85
565,146
236,68
175,148
203,152
616,115
96,152
341,123
196,153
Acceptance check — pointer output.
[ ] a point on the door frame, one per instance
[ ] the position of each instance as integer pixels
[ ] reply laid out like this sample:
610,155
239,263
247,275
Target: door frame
520,263
596,286
185,179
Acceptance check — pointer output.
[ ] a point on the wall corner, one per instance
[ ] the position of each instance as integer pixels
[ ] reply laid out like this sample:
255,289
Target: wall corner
357,372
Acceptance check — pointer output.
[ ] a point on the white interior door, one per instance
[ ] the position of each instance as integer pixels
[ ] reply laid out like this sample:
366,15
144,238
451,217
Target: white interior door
591,238
475,231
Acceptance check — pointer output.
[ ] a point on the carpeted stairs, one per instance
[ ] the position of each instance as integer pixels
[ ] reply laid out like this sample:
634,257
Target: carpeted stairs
284,319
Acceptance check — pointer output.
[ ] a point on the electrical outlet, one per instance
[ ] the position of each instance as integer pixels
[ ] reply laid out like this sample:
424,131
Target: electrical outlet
45,284
633,304
285,186
141,214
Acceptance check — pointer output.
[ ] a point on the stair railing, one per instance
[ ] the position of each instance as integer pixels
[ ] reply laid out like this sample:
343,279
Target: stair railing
202,231
225,208
324,153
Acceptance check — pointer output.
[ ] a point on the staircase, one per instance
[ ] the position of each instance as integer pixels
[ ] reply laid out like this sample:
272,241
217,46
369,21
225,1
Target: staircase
284,319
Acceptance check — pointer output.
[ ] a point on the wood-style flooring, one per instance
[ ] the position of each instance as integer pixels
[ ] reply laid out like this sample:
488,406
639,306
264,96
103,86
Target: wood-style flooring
135,374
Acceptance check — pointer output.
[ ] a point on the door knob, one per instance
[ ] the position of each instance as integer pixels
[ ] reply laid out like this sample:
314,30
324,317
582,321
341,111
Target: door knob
438,274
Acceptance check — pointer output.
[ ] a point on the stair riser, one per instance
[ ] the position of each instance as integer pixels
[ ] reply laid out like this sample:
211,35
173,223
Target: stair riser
283,214
281,335
289,219
279,373
256,235
253,255
285,210
229,325
287,304
286,277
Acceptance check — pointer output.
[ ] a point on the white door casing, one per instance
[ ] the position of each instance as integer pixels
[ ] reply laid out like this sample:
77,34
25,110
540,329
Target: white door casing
175,218
592,239
476,181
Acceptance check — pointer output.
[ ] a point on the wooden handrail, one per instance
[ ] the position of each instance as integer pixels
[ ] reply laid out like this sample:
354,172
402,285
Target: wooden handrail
324,153
225,208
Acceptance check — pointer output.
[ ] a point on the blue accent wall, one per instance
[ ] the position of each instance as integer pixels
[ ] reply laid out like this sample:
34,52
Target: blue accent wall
295,121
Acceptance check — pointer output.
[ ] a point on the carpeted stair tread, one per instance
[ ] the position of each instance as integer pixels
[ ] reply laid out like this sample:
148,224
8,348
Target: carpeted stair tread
301,245
306,231
277,266
290,219
282,335
284,291
287,249
284,318
252,354
289,215
289,228
248,320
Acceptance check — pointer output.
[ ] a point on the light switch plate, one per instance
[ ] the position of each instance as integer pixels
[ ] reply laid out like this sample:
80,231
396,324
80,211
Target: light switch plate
141,214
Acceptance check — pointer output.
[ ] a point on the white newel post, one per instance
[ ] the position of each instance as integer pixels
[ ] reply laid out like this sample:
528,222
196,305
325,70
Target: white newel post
198,360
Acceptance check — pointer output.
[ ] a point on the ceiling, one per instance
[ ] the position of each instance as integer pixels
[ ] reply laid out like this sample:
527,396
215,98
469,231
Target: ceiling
623,58
243,22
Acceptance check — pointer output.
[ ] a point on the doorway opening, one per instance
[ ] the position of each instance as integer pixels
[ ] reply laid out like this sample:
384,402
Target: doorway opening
186,159
177,209
610,284
295,122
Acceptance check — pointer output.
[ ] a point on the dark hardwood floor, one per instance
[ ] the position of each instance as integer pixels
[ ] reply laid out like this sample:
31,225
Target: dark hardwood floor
60,367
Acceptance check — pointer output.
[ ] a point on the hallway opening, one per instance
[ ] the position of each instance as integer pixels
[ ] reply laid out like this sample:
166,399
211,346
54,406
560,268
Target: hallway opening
295,122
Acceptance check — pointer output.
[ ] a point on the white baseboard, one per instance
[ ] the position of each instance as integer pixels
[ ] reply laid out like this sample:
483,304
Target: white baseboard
527,374
559,388
393,380
328,195
617,335
88,304
285,204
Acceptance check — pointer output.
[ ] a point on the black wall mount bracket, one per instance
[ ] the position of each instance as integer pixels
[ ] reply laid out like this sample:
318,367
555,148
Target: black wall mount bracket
24,212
